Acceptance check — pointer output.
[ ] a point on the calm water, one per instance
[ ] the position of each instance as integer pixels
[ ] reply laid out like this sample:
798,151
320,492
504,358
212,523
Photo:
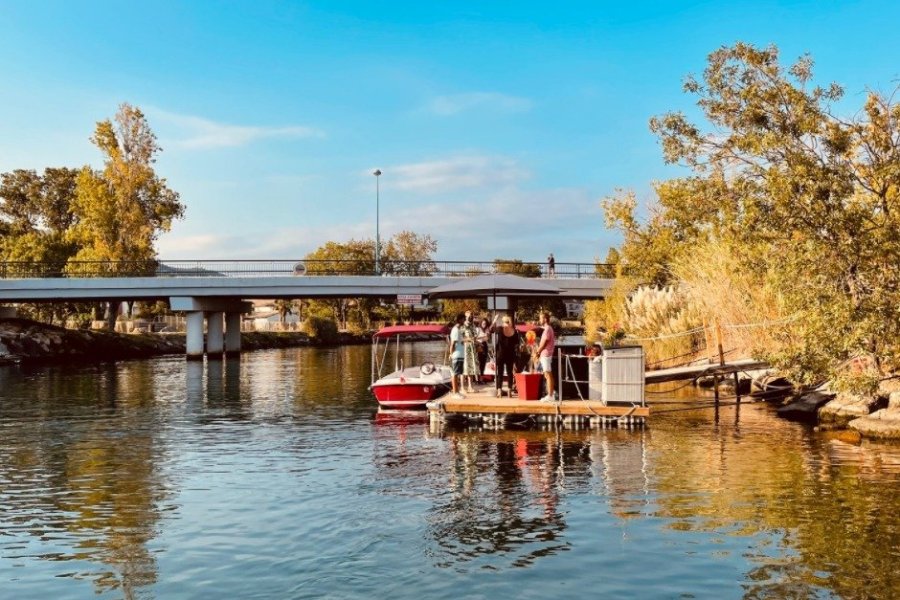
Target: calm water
272,477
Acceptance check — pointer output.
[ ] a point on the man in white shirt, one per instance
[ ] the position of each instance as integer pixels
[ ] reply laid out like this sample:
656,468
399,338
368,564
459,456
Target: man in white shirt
457,355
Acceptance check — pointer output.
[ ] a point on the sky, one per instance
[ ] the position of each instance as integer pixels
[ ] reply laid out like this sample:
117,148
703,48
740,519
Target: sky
498,126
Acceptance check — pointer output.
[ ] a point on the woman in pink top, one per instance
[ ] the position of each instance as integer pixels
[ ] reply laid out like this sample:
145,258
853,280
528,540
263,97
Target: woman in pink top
545,350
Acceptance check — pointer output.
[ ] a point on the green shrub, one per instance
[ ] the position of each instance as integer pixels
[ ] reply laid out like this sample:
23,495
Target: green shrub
320,329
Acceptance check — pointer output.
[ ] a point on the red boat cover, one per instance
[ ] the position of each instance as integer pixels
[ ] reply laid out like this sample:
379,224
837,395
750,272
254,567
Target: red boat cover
412,330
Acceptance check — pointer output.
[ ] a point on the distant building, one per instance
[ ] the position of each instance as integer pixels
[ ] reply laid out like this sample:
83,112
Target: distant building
265,317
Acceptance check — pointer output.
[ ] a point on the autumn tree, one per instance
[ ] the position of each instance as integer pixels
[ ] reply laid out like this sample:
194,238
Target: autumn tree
405,253
408,253
807,200
122,209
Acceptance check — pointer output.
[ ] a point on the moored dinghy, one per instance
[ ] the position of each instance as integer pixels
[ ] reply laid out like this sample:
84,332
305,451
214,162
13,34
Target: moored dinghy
407,387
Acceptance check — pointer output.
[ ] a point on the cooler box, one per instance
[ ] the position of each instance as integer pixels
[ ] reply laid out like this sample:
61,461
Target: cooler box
623,375
529,385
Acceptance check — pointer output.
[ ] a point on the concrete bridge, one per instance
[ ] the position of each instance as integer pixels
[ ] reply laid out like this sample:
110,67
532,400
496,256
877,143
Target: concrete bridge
216,291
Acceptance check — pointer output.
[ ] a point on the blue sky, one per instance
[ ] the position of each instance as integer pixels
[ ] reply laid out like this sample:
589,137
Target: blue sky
499,126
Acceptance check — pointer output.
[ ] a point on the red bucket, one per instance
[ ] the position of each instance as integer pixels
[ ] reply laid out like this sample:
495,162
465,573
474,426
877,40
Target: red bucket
529,385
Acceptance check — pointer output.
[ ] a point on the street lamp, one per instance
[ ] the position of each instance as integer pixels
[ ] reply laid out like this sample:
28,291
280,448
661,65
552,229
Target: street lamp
377,174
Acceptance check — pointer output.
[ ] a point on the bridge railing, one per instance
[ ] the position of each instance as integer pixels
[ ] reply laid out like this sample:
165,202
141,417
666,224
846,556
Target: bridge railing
297,268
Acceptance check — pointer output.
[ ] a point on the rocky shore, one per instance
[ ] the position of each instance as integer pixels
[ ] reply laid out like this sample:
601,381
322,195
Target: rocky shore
22,340
876,416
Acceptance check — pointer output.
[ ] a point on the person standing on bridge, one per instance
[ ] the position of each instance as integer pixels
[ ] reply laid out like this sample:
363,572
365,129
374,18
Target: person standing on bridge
551,266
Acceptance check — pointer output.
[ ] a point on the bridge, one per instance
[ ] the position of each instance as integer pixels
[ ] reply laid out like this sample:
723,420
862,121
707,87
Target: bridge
218,289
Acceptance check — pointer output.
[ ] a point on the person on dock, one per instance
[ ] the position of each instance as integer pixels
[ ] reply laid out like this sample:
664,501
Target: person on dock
470,353
457,356
506,349
483,334
551,266
545,350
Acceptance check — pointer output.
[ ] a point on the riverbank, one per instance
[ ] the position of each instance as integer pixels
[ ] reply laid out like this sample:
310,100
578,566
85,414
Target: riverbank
22,340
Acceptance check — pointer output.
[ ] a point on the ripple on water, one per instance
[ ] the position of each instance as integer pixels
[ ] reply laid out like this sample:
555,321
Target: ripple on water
271,477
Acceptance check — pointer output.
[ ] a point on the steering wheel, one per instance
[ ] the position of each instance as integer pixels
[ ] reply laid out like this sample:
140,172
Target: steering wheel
427,368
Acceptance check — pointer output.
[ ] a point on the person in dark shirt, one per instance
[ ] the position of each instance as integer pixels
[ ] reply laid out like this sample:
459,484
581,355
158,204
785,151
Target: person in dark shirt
506,347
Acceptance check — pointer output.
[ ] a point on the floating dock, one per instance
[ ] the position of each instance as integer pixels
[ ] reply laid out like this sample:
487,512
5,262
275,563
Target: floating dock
484,409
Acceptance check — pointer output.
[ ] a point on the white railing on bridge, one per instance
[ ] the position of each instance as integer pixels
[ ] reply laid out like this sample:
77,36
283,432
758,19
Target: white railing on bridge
297,268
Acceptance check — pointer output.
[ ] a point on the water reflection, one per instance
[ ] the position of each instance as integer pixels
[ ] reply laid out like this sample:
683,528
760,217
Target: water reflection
112,474
508,488
85,485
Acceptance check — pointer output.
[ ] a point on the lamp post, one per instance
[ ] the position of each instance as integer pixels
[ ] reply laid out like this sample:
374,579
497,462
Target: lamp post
377,174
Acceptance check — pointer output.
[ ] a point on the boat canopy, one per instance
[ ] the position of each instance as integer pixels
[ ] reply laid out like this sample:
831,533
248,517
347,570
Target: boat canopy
392,330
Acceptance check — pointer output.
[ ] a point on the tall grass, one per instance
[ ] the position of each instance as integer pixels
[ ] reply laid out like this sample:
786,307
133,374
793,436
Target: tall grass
724,291
661,320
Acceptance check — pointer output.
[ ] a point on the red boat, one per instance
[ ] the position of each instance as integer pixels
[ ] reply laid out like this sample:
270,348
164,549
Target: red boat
411,386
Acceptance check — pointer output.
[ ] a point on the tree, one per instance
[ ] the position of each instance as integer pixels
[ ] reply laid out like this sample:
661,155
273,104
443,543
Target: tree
122,209
408,253
284,307
405,253
35,214
608,267
809,202
516,267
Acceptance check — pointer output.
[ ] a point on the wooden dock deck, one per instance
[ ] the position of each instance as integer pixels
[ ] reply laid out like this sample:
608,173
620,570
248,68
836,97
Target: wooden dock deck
485,407
707,370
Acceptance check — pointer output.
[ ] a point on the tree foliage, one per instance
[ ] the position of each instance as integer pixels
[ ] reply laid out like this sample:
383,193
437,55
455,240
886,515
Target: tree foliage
809,201
35,214
405,253
122,209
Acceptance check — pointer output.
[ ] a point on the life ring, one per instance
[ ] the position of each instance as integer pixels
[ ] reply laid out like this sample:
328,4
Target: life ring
427,368
300,269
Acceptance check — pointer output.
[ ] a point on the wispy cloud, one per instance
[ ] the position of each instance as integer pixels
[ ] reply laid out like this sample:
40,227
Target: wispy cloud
454,104
439,176
507,223
199,133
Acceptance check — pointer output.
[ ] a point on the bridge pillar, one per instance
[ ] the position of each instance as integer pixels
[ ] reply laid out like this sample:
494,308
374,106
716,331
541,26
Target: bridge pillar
215,307
232,333
194,338
215,342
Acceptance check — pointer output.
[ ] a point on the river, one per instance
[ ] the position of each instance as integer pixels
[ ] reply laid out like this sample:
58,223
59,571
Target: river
271,476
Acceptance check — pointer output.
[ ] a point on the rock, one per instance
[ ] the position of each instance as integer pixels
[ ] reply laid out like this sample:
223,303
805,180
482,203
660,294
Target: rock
883,424
846,407
886,387
894,400
807,407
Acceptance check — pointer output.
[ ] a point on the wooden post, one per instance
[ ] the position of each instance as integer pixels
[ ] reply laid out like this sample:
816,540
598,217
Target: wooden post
719,343
716,388
737,387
